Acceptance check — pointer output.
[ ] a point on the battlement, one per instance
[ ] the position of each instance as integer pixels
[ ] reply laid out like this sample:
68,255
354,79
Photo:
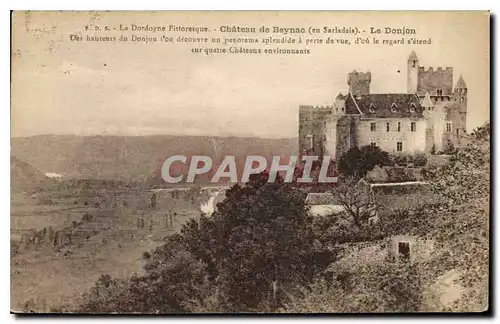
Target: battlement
311,107
359,82
445,69
355,76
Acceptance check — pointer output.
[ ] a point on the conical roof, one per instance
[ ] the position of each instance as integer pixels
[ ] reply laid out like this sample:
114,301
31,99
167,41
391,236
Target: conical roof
461,83
413,56
427,102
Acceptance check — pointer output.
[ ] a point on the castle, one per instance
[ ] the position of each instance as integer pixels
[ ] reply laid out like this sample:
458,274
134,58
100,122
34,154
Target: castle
430,117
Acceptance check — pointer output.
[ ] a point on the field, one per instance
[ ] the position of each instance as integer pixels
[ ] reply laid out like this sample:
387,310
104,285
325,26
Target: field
63,240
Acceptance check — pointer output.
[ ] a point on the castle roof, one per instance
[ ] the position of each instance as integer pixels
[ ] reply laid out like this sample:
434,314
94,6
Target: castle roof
461,83
384,105
413,56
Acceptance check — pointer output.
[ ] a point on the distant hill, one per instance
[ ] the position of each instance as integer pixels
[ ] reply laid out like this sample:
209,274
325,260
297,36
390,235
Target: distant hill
24,176
134,158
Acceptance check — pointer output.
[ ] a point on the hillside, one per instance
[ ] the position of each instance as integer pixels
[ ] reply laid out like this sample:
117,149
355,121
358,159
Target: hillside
24,176
133,157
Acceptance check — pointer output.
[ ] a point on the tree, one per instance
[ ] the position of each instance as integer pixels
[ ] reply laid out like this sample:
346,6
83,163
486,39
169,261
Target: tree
357,200
107,295
462,221
263,244
174,282
247,256
357,162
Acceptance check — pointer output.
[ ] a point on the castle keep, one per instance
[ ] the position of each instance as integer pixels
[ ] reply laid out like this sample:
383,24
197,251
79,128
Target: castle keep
430,116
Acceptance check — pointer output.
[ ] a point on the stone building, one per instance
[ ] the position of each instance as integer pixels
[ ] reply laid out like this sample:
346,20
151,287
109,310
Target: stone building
431,116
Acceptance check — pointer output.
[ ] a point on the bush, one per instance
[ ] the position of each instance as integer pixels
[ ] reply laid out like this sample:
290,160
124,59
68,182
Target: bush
420,160
358,161
401,160
400,175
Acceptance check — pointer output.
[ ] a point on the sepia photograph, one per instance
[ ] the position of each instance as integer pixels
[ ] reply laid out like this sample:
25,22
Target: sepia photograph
258,162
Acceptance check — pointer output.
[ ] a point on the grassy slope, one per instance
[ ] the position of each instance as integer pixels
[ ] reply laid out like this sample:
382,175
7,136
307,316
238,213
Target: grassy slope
44,276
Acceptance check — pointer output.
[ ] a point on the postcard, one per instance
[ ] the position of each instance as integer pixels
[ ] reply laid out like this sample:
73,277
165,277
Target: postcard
291,162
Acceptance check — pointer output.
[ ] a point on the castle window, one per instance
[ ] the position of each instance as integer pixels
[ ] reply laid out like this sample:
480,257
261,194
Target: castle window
373,144
413,126
448,127
399,126
342,109
439,92
310,141
372,108
412,107
399,146
388,126
462,99
413,63
373,127
394,108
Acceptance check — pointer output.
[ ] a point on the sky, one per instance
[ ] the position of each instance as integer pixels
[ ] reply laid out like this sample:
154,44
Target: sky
86,88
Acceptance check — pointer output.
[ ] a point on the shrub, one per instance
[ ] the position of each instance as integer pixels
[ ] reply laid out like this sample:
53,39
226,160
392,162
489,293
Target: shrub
400,175
420,160
401,160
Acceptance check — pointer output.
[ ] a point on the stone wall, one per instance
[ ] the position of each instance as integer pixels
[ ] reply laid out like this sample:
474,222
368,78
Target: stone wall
420,248
413,142
431,79
312,122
